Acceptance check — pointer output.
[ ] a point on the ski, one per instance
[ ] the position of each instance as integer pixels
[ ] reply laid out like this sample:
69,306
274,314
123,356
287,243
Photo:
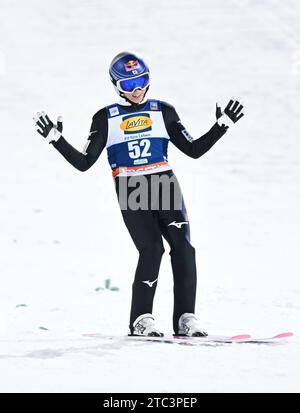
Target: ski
195,340
176,339
278,338
241,338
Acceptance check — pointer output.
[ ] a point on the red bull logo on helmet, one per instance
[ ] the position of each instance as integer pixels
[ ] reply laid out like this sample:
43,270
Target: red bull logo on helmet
132,65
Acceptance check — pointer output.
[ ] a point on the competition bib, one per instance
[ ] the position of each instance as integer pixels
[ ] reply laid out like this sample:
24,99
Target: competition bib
137,143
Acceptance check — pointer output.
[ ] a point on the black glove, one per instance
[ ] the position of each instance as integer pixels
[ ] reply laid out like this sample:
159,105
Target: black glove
232,112
46,127
218,111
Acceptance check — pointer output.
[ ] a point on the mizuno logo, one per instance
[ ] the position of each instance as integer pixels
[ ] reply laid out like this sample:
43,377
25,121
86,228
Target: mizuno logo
178,224
150,283
91,133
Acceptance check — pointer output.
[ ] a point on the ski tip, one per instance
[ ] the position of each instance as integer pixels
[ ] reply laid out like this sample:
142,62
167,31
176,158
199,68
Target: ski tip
284,335
240,337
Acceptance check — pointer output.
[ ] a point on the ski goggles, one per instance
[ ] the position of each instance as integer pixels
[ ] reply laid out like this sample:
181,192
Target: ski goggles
137,82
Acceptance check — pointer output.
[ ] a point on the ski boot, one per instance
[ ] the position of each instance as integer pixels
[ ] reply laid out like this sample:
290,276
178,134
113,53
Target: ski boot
188,325
144,325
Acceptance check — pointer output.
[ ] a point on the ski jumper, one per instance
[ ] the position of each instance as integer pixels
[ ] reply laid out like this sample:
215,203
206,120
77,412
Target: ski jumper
136,137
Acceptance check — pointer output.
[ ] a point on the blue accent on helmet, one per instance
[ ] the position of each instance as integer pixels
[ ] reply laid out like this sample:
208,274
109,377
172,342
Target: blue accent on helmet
128,65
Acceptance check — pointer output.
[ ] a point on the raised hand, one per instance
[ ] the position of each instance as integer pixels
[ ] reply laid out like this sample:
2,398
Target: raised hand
234,110
46,128
231,114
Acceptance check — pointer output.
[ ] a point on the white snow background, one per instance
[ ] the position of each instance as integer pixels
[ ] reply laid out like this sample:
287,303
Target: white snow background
62,234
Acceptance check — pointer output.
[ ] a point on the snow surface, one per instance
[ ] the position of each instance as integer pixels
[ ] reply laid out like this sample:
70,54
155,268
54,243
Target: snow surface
62,233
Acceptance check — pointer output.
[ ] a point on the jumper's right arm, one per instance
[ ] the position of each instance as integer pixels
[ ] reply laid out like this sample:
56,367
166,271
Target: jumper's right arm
94,146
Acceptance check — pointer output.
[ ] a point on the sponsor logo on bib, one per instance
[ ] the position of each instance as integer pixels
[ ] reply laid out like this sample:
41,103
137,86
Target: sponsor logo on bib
114,111
136,123
153,106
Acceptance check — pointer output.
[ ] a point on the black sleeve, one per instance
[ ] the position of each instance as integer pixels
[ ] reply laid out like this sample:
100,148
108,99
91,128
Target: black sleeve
183,140
94,146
